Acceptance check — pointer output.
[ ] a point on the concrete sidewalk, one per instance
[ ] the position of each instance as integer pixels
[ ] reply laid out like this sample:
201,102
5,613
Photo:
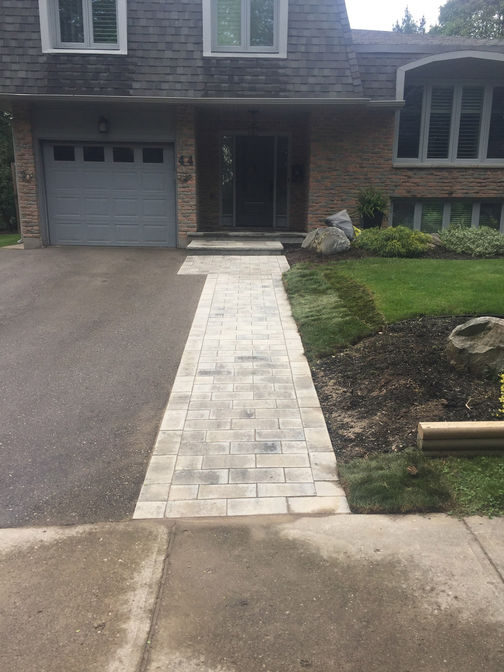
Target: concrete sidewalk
346,593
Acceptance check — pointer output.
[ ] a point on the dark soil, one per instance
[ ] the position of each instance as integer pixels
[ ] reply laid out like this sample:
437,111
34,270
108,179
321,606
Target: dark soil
375,393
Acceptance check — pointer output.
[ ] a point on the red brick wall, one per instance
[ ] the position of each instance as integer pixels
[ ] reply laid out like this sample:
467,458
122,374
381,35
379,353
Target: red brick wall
213,123
187,188
26,176
353,149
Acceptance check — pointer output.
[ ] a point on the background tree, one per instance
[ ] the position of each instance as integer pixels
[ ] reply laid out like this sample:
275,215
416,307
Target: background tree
7,204
409,25
471,18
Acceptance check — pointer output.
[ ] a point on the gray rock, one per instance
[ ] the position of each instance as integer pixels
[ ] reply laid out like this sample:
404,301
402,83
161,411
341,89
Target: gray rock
326,241
309,238
341,220
436,240
478,346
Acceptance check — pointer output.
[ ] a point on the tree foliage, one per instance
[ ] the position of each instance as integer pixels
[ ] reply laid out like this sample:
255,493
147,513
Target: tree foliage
7,204
408,24
471,18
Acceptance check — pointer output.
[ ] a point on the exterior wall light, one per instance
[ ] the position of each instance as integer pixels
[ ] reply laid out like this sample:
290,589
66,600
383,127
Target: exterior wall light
103,125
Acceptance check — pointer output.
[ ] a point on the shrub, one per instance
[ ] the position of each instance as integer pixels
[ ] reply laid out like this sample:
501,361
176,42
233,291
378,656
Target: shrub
371,207
393,242
482,242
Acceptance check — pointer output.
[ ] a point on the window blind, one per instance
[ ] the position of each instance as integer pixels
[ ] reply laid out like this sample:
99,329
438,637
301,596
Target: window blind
104,14
440,122
470,122
496,138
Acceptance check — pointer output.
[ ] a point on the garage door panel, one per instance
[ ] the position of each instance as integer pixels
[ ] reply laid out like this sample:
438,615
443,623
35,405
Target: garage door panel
156,234
127,207
111,202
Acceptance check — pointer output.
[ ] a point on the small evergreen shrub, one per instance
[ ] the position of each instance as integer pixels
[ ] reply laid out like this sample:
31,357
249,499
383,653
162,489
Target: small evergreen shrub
396,241
482,242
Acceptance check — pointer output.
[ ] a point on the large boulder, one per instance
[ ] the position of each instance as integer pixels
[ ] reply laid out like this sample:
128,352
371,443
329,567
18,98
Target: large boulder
326,241
478,346
341,220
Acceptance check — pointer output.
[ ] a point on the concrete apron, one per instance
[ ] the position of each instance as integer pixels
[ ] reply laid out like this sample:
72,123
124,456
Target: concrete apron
243,432
280,594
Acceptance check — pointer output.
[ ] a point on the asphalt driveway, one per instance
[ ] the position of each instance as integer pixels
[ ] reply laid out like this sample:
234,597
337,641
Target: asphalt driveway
90,340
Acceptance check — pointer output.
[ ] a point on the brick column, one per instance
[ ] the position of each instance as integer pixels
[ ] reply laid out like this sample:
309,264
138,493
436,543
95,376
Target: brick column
187,197
26,177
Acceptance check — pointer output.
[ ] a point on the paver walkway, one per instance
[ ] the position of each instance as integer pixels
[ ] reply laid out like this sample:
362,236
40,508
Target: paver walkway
243,432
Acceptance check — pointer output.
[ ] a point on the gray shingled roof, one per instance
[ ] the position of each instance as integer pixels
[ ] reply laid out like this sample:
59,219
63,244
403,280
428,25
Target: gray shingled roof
388,38
380,53
165,57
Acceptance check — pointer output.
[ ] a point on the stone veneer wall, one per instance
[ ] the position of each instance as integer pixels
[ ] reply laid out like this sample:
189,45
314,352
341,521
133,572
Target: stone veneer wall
26,177
212,124
187,188
354,149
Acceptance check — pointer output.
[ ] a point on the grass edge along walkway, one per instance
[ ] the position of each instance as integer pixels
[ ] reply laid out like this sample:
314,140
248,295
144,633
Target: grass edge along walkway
409,482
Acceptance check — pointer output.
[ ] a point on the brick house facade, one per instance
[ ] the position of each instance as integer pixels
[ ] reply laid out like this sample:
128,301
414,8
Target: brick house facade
164,133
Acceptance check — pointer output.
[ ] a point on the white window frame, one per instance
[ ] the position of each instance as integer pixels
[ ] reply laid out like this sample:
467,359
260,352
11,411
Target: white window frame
475,218
278,50
50,32
451,160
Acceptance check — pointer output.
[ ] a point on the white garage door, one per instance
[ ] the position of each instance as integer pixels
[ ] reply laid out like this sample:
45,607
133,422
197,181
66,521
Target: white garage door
106,194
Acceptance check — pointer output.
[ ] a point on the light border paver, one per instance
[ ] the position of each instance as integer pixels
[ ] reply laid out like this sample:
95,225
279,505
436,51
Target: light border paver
243,432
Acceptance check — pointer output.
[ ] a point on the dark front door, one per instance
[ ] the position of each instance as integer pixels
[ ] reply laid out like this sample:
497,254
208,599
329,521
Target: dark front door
255,181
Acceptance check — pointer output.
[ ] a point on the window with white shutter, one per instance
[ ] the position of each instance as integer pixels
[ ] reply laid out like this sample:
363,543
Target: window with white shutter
245,28
99,26
451,123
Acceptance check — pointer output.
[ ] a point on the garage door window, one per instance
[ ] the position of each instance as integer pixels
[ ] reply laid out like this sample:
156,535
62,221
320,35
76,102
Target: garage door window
153,155
123,154
94,153
64,153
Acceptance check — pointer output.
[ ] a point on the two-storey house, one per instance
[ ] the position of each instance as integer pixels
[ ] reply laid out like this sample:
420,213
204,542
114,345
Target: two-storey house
141,122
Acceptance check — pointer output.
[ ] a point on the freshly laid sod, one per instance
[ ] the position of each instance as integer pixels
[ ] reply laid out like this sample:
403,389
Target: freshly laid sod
408,482
393,483
336,304
405,288
8,239
330,308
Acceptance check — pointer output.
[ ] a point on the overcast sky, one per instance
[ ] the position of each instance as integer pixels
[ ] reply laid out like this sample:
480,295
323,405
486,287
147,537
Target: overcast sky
382,14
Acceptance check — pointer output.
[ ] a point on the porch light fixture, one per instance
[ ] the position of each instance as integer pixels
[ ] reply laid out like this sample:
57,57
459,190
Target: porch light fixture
253,121
103,125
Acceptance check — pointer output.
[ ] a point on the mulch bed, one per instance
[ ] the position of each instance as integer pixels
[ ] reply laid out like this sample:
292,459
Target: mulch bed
374,393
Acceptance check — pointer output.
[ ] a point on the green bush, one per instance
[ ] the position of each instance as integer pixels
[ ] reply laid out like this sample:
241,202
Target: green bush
393,242
482,242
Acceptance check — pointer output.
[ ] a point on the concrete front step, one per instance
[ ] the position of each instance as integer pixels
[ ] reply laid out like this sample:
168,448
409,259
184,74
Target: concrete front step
235,247
289,237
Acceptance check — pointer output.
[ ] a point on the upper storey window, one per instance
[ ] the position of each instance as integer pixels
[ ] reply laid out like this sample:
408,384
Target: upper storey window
245,28
97,26
451,123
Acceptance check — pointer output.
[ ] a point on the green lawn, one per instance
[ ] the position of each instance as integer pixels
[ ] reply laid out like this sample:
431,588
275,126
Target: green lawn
408,482
8,239
336,304
406,288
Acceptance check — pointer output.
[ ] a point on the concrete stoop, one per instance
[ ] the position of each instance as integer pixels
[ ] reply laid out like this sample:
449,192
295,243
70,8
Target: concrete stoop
231,247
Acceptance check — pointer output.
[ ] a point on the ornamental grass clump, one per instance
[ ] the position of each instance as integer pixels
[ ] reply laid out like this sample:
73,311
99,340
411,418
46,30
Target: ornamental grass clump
398,241
482,242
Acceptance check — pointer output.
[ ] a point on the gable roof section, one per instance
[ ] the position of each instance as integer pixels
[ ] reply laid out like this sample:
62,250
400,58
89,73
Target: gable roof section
165,57
380,53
